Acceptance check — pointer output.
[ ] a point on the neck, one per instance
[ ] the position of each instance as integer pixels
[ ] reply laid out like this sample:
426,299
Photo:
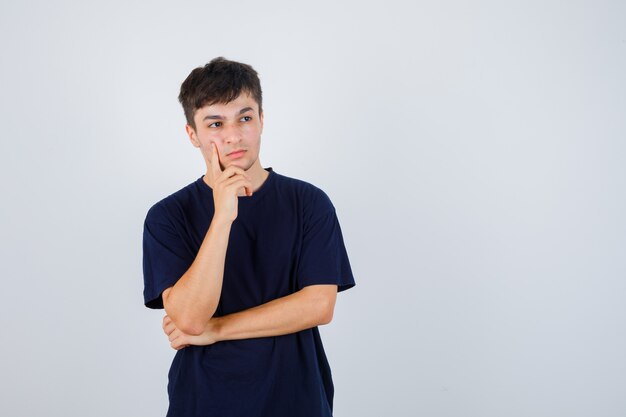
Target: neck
257,175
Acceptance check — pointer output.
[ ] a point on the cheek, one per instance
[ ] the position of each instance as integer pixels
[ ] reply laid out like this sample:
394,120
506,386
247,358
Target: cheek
253,135
252,129
208,141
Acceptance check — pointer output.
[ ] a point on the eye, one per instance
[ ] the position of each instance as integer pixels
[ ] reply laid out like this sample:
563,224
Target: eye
249,117
213,124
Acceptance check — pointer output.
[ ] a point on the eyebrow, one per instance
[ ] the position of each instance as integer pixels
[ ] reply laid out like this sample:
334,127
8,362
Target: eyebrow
218,117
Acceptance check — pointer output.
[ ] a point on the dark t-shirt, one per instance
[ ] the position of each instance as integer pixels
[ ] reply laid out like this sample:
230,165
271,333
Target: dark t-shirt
286,236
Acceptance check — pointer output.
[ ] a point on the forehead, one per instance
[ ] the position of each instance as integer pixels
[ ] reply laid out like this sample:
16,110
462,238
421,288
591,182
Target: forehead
228,110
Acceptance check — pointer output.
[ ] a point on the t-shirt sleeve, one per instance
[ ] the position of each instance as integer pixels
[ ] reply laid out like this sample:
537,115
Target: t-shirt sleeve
165,256
324,259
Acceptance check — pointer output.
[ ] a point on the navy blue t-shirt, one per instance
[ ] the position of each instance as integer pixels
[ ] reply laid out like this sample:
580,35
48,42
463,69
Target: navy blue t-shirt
286,236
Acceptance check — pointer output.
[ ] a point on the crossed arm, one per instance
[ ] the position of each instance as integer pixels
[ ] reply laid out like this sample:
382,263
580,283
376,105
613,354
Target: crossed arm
311,306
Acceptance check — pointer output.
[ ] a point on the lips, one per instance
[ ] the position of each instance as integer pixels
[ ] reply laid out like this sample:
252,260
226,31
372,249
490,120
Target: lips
238,152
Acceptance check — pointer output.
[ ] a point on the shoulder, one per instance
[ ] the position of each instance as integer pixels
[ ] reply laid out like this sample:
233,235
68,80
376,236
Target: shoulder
168,207
313,200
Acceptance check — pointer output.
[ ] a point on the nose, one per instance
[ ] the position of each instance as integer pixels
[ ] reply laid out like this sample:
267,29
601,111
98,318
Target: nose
232,134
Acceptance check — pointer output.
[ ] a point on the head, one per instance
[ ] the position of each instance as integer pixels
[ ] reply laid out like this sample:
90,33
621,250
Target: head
213,97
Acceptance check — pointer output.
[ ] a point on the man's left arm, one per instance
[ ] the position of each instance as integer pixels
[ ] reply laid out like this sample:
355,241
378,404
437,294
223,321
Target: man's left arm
312,306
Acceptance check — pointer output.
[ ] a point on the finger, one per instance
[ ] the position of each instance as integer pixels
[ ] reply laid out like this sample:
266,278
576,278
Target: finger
166,321
240,183
168,325
179,341
169,328
175,334
215,161
236,179
231,171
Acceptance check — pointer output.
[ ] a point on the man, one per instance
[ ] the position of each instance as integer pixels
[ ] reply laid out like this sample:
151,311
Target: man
246,262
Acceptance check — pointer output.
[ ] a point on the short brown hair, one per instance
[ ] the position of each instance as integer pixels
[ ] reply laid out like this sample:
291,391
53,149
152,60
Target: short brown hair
219,81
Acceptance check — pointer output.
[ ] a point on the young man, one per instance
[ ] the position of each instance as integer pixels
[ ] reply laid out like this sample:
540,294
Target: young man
247,263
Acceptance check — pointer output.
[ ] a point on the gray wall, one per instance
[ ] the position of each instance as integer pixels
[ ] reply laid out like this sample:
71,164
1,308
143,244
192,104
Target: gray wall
474,152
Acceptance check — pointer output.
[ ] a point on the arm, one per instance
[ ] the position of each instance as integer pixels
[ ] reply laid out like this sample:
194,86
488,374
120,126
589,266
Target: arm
311,306
192,301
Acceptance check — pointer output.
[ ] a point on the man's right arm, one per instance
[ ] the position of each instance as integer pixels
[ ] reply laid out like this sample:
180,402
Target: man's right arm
192,301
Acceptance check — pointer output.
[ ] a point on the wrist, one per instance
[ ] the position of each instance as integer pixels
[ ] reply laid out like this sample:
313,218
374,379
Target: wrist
220,222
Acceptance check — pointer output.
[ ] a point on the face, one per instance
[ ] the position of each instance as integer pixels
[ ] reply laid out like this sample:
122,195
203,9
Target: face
233,127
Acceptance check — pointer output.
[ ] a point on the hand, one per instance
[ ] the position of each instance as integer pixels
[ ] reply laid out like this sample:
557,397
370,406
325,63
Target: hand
179,340
226,185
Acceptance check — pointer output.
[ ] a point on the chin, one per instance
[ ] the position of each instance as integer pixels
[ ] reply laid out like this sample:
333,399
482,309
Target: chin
242,164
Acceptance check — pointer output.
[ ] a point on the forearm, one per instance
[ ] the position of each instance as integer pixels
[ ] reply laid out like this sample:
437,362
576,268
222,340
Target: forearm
192,301
289,314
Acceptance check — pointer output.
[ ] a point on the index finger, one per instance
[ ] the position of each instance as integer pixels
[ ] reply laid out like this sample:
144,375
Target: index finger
215,161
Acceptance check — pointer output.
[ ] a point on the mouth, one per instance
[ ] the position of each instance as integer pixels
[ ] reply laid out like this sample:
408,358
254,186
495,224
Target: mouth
237,153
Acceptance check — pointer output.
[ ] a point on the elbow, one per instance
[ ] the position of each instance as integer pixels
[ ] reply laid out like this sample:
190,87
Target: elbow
191,325
326,320
187,322
326,314
322,301
192,328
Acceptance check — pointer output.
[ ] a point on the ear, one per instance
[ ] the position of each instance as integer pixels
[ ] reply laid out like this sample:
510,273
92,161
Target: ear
261,119
192,136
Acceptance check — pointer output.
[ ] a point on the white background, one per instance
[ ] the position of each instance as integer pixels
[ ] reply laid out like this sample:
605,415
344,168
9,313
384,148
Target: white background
474,152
